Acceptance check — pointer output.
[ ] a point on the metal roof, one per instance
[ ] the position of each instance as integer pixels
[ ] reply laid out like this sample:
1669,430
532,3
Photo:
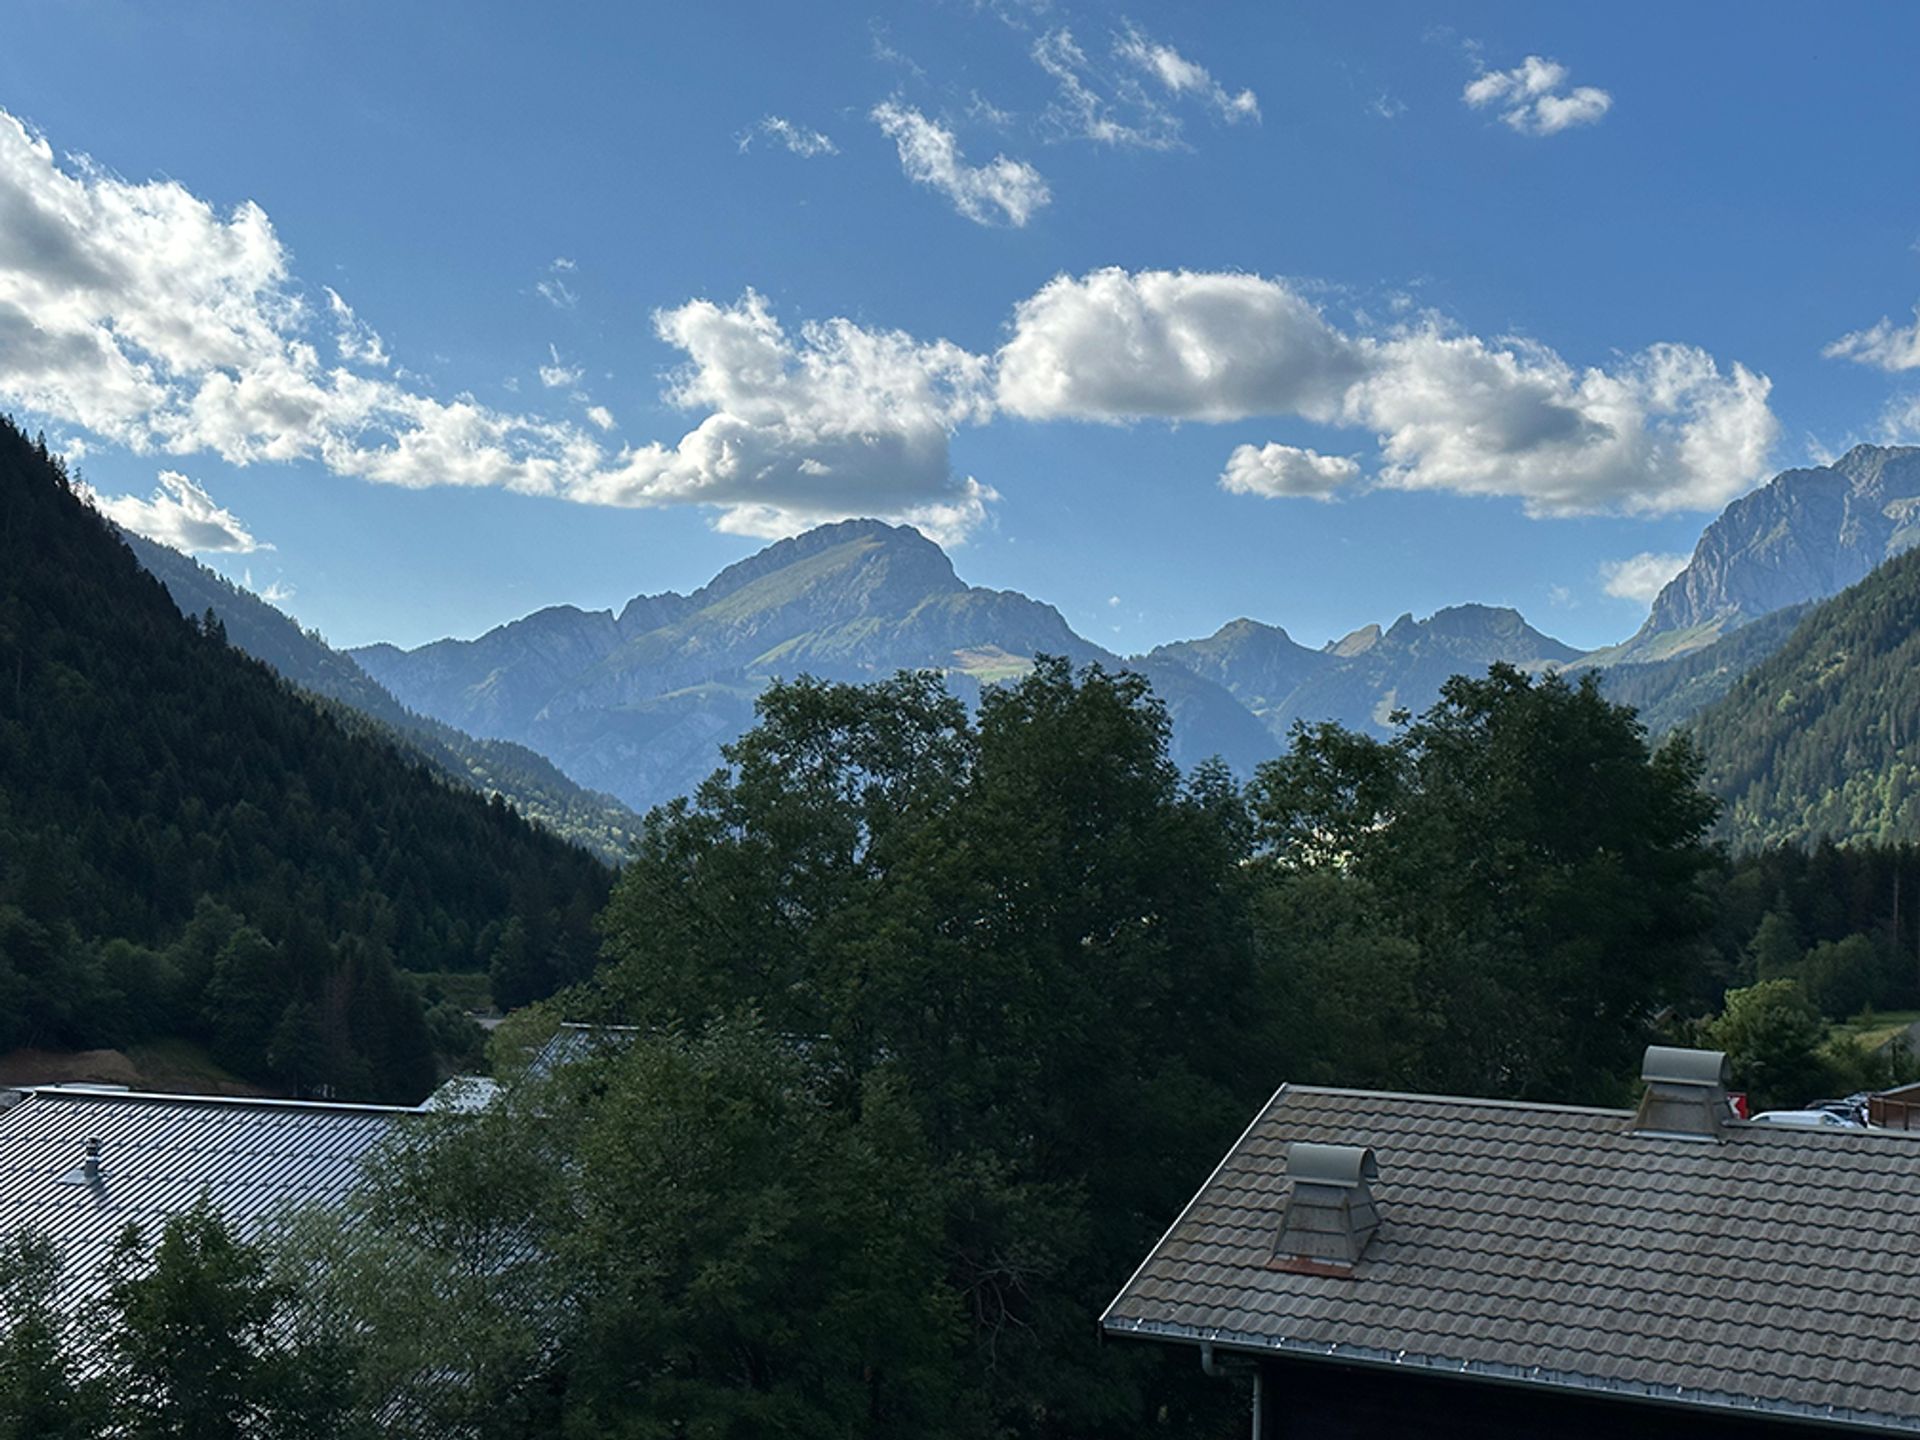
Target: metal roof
158,1153
1775,1273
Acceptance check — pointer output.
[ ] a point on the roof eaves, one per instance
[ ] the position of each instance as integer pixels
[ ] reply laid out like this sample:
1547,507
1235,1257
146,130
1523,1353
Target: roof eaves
1205,1185
1535,1377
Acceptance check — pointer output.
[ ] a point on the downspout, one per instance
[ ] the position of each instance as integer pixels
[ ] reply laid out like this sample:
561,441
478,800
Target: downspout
1259,1397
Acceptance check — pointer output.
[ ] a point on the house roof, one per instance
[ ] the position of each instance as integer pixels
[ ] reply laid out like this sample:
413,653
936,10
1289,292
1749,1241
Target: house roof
159,1152
1774,1272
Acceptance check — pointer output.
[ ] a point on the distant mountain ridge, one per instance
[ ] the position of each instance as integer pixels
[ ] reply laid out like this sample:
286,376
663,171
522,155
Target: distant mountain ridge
1362,679
636,703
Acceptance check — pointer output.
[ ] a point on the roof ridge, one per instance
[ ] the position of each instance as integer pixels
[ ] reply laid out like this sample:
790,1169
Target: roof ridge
1557,1106
75,1092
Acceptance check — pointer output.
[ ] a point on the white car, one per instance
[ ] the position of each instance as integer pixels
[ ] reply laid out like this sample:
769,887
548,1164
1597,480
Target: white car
1821,1119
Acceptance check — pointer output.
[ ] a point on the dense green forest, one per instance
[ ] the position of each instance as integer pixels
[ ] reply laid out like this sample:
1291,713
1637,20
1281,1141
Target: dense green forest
1822,738
188,846
933,1020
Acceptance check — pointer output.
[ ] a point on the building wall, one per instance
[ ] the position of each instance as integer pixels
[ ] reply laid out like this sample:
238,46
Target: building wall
1305,1399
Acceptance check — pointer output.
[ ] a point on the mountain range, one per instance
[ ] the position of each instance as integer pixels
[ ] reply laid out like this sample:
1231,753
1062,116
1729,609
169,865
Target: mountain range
583,717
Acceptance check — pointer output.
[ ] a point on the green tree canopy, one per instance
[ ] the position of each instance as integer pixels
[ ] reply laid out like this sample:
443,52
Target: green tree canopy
1541,861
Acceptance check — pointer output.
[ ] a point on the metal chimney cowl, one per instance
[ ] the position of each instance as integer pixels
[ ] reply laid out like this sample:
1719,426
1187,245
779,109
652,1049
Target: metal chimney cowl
1686,1095
1329,1215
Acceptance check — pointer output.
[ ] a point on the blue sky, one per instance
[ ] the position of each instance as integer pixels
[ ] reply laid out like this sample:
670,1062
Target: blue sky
1165,314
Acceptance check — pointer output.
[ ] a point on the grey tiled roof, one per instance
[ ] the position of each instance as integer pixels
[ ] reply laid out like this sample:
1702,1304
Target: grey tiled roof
1776,1272
159,1152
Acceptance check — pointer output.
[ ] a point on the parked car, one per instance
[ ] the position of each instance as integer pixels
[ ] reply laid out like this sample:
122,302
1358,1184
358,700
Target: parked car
1853,1109
1811,1118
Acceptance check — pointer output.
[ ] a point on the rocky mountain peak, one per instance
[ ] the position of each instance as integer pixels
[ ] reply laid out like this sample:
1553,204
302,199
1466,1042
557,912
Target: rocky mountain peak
1804,535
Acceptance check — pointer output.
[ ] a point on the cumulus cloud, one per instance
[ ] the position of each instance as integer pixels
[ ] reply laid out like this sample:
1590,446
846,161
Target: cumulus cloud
1117,345
1886,345
1533,98
1642,577
1181,76
1279,471
1662,430
837,420
181,515
807,144
1665,429
137,313
1001,191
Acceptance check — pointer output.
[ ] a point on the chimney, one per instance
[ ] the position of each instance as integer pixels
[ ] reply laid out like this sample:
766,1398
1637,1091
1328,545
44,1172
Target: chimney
1329,1214
88,1171
1686,1094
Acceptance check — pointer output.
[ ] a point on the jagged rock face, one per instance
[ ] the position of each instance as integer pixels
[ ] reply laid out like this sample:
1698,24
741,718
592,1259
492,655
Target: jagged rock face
1805,535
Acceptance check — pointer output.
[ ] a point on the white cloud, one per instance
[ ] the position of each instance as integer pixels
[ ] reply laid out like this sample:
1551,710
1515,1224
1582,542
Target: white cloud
836,421
1276,471
1002,190
1532,99
1642,577
558,375
1661,430
808,144
1183,77
1114,345
1885,345
181,515
1081,110
137,314
357,341
1900,421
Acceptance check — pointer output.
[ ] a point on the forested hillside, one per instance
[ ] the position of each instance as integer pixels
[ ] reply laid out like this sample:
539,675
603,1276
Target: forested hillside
529,782
1670,692
1823,737
188,846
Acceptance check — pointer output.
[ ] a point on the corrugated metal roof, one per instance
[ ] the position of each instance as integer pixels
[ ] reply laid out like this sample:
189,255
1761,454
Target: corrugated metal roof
1777,1272
160,1152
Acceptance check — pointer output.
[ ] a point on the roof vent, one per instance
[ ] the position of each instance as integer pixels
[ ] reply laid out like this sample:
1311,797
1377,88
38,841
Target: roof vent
88,1171
1686,1093
1329,1215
